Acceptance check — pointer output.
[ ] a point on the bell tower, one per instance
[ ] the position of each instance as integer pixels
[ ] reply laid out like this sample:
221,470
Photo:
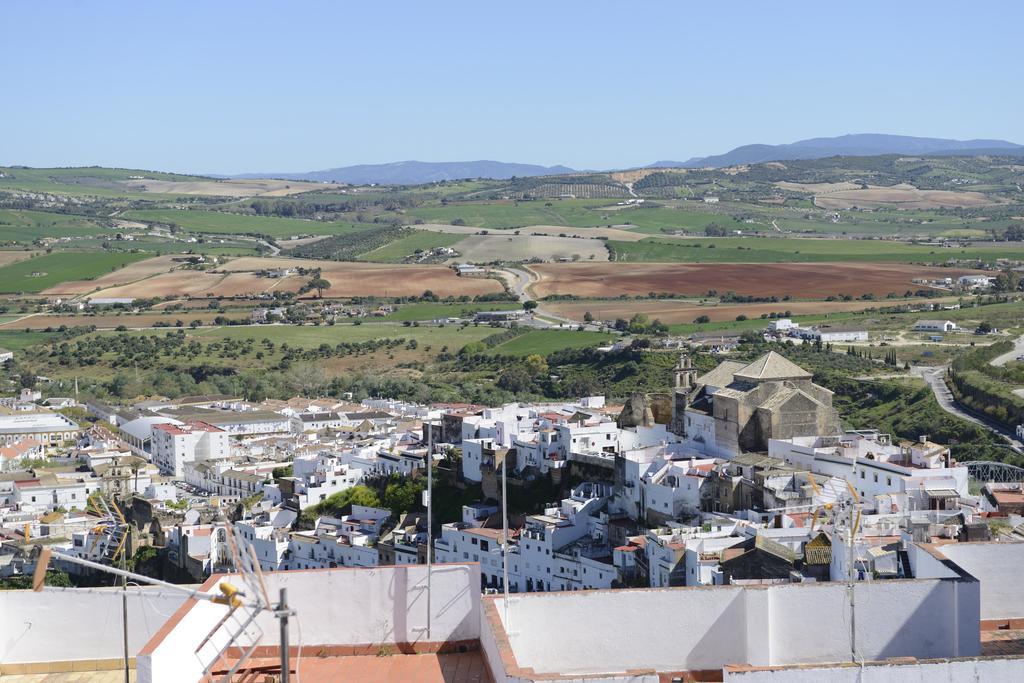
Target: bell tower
685,373
685,377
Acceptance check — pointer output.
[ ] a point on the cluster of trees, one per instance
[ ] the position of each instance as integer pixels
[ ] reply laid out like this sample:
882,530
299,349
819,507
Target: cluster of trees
351,245
639,324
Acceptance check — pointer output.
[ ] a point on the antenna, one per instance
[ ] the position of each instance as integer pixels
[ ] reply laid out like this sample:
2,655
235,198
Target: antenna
430,506
237,626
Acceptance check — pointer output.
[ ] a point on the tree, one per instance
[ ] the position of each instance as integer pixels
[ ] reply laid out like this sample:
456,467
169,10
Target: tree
530,306
588,317
701,319
319,284
306,379
536,364
403,496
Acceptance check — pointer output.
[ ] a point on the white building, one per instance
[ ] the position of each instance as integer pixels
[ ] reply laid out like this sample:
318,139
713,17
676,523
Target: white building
888,477
50,429
781,325
175,444
935,326
975,281
827,334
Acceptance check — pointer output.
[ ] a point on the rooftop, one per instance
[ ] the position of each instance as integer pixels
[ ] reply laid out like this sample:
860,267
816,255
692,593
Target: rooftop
772,366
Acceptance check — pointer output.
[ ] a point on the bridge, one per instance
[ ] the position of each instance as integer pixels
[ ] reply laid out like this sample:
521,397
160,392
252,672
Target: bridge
999,472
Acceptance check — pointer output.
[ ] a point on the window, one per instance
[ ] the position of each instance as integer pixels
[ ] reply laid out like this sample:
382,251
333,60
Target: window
888,481
876,477
862,474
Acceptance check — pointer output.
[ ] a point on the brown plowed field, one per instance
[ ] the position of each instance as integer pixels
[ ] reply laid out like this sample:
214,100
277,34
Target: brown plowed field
674,312
130,273
346,278
39,322
799,280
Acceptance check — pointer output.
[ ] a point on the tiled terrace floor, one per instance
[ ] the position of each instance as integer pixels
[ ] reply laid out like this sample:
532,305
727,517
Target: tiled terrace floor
466,667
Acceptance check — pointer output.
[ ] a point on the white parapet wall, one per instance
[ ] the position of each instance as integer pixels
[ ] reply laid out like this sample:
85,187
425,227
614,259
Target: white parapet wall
344,607
60,625
993,670
677,629
997,566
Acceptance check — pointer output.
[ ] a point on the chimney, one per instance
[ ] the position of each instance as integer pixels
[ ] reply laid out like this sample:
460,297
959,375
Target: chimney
923,438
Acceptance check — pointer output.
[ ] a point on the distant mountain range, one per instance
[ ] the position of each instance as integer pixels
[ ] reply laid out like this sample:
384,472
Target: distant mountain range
862,144
416,172
858,145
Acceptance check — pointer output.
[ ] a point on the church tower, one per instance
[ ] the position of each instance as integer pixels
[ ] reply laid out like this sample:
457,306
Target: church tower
685,376
685,373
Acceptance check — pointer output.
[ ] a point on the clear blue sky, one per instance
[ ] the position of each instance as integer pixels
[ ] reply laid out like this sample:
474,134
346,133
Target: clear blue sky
228,87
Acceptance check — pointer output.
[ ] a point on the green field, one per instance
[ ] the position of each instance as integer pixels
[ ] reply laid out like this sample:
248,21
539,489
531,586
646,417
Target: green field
42,272
544,342
15,340
408,245
777,250
233,223
25,226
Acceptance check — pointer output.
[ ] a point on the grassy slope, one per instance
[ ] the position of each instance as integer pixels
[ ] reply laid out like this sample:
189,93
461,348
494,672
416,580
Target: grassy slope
60,267
313,336
544,342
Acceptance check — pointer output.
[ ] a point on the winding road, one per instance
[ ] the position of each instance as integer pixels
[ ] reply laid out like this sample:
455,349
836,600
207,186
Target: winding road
936,379
1018,350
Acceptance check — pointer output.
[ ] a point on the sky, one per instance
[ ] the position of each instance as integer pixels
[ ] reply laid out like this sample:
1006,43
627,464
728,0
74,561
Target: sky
257,86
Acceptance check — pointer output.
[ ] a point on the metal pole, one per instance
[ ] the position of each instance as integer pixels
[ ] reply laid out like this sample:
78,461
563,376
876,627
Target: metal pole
430,516
504,531
282,608
124,609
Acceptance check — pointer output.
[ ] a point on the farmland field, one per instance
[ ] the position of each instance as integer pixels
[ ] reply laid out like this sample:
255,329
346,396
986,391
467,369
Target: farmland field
676,312
226,188
408,245
771,279
578,213
505,247
130,273
899,196
111,321
232,223
26,226
310,337
239,278
43,272
12,256
782,250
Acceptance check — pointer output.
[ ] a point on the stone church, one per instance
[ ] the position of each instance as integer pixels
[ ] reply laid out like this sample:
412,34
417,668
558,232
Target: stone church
738,407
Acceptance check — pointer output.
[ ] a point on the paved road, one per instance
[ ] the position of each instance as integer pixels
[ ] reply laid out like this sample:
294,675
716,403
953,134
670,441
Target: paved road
1018,350
519,281
936,379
